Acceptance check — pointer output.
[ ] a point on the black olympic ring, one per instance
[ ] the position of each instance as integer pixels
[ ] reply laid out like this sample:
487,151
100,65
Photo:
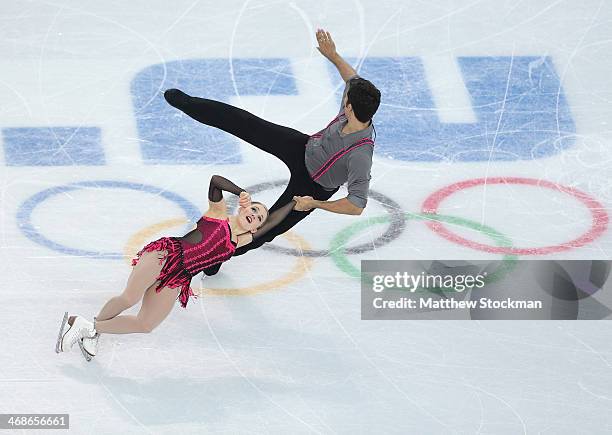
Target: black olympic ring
397,223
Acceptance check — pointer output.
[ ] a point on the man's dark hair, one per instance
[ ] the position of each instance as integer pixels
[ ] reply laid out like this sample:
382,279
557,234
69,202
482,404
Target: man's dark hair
364,98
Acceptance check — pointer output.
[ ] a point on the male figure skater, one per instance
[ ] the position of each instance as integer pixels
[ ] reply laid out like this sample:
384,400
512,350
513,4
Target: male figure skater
319,164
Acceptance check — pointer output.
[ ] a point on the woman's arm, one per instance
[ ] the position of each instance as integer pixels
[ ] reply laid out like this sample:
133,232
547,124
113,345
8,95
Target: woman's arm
216,203
218,184
273,220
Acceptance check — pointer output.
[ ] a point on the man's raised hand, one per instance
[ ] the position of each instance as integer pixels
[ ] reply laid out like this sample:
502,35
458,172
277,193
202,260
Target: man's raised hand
326,44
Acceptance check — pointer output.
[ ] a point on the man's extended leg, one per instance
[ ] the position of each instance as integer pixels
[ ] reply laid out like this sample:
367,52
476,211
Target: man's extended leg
282,142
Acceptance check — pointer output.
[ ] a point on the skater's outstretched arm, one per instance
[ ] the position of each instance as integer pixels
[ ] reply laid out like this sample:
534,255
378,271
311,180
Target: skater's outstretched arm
216,203
328,49
275,218
340,206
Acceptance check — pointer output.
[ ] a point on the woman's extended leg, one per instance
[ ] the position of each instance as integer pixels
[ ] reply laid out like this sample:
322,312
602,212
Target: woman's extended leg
142,277
155,308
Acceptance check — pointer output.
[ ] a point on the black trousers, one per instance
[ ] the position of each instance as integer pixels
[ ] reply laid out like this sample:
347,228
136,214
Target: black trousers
285,143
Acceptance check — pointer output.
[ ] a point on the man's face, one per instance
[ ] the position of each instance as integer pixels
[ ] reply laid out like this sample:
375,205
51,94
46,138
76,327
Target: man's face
347,106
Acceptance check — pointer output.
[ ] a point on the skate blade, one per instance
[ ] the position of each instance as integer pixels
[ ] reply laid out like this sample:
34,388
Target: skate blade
86,354
58,344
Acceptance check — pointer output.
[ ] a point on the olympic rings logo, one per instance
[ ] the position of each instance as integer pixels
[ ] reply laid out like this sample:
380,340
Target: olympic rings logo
339,251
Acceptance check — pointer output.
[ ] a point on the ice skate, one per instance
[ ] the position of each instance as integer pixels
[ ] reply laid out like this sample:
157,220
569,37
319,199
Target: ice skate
62,329
71,334
89,346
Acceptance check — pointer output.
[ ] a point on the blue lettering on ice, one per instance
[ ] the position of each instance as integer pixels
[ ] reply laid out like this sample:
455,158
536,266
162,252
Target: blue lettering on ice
52,146
521,110
169,136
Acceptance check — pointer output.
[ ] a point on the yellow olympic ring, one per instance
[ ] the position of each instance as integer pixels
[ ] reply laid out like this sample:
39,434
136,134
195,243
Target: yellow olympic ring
302,265
136,242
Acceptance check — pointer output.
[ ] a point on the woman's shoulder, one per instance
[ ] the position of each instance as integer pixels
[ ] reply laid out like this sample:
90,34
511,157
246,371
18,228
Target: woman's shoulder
215,215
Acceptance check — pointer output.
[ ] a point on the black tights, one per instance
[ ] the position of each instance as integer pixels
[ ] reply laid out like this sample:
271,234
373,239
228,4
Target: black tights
283,142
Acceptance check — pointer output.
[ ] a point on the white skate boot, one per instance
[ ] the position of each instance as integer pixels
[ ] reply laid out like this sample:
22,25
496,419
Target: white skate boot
71,334
89,346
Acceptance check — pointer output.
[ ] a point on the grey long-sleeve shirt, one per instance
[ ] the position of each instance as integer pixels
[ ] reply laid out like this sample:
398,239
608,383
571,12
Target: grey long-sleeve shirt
353,168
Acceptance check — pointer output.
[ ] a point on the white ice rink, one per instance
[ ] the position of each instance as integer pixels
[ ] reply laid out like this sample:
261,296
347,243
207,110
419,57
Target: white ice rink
93,165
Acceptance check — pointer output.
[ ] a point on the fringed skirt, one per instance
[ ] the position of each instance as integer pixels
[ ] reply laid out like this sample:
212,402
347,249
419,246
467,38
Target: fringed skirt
173,274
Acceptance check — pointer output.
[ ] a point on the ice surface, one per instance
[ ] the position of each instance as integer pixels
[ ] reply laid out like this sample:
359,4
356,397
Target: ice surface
471,89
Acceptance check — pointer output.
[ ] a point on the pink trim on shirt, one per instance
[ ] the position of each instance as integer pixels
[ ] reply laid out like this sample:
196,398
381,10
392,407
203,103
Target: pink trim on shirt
332,160
333,121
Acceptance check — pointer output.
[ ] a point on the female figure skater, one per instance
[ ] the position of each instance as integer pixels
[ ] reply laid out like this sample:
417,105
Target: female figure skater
163,269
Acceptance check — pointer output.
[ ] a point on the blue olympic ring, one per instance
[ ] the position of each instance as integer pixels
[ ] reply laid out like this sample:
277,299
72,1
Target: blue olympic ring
24,213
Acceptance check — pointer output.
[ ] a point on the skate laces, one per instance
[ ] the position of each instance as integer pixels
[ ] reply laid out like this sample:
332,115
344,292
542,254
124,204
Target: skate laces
73,340
82,332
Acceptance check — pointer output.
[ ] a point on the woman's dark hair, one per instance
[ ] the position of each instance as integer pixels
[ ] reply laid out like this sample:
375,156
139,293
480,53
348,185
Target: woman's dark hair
364,98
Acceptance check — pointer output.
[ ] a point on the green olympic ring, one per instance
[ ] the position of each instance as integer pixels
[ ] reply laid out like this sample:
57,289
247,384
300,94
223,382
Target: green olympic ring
338,254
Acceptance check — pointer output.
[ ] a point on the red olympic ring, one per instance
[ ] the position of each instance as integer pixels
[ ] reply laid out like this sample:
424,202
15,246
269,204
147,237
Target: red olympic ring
598,213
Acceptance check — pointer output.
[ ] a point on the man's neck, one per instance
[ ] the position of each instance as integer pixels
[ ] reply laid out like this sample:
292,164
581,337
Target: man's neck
354,125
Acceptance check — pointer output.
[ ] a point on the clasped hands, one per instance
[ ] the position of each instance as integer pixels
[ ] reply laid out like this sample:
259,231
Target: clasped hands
303,203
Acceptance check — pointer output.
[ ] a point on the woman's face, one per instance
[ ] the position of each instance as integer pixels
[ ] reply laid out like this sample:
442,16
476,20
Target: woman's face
252,217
